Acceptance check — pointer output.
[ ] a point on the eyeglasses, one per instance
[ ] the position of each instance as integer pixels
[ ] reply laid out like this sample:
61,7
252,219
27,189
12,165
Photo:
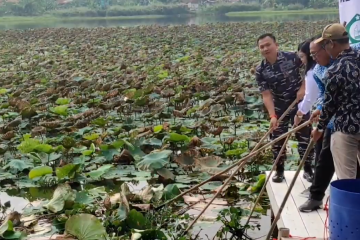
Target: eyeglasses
313,55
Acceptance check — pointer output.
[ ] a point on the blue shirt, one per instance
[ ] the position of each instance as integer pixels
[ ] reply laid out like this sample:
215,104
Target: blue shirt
319,74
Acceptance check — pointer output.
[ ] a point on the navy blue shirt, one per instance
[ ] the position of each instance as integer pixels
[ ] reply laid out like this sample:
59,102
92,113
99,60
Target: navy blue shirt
283,78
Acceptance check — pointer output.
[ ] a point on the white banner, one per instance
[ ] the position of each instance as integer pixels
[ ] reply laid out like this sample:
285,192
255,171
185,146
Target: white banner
349,11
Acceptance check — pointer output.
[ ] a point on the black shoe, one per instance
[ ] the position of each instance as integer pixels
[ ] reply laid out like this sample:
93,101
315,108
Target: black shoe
279,177
310,205
308,174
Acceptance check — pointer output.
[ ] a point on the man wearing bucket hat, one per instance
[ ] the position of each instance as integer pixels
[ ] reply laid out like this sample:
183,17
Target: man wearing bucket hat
341,100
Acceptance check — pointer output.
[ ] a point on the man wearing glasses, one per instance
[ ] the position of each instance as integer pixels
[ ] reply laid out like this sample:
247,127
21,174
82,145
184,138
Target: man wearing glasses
324,169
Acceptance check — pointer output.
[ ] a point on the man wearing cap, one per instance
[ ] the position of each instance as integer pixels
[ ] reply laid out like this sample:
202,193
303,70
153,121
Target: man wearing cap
324,166
281,83
341,100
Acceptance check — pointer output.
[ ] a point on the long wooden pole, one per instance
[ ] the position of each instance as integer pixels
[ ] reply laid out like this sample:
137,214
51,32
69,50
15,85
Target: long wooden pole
306,154
238,162
251,154
241,165
267,179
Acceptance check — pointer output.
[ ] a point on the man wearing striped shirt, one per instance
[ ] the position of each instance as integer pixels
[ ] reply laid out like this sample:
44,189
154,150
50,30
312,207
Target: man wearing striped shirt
324,169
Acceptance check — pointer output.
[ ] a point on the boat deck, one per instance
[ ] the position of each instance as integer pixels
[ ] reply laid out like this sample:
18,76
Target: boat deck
311,224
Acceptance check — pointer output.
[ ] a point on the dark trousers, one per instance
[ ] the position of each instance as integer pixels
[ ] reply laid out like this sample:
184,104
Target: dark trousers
324,167
302,136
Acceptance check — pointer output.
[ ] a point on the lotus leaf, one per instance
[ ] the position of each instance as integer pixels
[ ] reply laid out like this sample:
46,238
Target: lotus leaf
135,220
155,160
96,174
68,170
17,165
40,171
85,227
63,197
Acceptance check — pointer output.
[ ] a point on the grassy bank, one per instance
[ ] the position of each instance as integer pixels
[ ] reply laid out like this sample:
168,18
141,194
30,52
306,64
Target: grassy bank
284,12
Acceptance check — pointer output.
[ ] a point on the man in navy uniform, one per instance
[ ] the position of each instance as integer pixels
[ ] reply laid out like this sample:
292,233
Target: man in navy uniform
281,82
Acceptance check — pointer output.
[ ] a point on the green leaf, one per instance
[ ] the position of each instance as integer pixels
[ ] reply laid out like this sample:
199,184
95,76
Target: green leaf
109,154
136,220
68,170
101,122
257,187
155,160
28,144
170,192
3,91
14,235
92,147
87,152
63,101
63,197
60,110
120,143
83,198
46,148
17,165
6,226
92,136
96,174
175,137
40,171
158,128
85,227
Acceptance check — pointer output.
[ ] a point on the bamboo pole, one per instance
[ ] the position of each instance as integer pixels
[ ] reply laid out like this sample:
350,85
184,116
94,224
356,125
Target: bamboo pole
240,166
238,162
277,217
251,154
267,179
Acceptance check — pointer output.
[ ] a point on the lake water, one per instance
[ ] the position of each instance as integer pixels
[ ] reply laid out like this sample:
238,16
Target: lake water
18,203
162,21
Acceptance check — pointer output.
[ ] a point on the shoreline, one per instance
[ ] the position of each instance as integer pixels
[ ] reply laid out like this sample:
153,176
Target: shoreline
284,12
20,19
14,19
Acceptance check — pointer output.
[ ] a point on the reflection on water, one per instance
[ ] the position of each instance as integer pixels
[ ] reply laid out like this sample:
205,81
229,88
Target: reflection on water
90,23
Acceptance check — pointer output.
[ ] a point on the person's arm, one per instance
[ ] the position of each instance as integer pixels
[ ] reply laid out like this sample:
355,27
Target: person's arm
329,106
311,93
266,94
269,103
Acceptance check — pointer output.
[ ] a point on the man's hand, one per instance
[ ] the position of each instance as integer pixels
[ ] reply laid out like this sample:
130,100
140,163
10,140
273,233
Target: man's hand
315,116
298,118
300,94
316,135
273,124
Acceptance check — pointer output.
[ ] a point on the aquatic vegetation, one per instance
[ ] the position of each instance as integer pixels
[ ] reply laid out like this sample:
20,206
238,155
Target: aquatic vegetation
92,113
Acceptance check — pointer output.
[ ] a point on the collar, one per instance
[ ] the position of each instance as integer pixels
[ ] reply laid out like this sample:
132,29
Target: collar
345,53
